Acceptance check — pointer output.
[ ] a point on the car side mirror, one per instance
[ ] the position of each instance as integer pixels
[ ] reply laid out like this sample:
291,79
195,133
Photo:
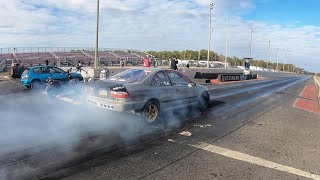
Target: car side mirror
192,84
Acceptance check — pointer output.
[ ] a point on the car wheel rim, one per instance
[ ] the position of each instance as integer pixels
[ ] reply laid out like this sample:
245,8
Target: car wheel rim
151,113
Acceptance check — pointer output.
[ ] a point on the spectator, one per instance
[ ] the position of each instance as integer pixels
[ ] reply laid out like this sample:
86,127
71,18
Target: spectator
79,67
174,63
122,63
188,65
47,62
146,62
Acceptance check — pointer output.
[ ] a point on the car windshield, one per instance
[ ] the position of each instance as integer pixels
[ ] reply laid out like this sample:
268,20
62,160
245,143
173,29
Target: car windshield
131,75
26,71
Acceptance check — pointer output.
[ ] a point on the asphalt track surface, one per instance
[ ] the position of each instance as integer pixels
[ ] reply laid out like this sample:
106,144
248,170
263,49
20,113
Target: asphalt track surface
52,139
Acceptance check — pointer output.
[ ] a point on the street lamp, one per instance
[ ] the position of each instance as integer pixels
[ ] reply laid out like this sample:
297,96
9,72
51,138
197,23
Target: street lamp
225,59
96,58
250,49
210,31
268,55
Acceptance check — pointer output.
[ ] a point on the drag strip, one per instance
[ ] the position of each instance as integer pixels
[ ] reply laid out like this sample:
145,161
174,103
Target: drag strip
105,141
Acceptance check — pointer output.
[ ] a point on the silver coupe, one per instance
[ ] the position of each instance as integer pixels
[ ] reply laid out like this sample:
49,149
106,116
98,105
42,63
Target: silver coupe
147,91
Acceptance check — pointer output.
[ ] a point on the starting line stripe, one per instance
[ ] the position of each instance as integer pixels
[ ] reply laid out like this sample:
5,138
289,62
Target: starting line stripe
254,160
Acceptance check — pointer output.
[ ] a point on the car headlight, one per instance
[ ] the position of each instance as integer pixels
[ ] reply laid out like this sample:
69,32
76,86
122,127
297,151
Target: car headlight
25,77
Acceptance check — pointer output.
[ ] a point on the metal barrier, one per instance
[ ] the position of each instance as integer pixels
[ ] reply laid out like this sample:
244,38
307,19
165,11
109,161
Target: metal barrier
317,83
3,65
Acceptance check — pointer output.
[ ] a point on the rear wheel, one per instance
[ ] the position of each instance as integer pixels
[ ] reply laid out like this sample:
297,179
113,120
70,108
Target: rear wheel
203,102
36,84
151,112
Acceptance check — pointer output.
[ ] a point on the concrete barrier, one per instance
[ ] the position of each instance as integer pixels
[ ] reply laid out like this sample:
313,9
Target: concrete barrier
191,72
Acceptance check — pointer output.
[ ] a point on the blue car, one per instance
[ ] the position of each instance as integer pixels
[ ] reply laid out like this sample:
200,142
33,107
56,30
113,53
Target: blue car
35,77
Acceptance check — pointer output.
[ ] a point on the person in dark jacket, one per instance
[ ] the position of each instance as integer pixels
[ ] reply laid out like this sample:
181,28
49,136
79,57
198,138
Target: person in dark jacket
173,64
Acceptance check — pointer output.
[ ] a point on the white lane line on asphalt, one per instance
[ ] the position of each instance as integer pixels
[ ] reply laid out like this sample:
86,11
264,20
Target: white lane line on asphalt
69,100
254,160
300,95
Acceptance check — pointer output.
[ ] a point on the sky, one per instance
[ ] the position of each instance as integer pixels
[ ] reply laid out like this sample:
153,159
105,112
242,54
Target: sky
292,26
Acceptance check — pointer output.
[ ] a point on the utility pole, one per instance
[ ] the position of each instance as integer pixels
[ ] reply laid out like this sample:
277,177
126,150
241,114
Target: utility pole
225,59
268,55
96,60
210,31
199,55
250,49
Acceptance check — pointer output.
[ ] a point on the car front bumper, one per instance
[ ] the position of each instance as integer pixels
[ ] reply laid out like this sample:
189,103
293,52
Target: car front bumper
120,106
25,82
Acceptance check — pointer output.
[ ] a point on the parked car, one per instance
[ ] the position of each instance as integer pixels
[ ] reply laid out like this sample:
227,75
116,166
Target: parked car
147,91
35,77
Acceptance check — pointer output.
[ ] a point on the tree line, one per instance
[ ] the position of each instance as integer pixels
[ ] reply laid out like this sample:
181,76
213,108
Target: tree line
234,61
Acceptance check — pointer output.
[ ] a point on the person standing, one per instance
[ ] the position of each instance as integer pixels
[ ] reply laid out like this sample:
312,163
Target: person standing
79,66
174,63
122,63
146,62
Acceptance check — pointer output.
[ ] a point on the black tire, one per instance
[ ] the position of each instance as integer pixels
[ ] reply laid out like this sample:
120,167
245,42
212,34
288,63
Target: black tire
203,102
52,90
36,84
151,112
28,86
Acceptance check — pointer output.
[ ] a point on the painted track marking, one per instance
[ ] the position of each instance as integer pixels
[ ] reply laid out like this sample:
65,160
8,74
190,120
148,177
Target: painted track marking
254,160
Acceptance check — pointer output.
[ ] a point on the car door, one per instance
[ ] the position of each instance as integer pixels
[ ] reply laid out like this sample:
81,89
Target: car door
57,73
185,94
162,88
39,73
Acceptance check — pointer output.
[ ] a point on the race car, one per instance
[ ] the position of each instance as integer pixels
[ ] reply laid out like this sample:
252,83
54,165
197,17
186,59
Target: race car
147,91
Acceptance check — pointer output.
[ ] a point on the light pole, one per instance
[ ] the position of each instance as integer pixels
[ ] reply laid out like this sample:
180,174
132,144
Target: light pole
268,55
250,49
225,59
96,60
210,31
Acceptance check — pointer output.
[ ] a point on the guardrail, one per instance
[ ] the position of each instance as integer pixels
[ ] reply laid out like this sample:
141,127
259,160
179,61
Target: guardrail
317,83
3,65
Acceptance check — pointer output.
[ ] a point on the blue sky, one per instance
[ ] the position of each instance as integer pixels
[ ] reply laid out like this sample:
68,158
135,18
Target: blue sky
286,12
293,28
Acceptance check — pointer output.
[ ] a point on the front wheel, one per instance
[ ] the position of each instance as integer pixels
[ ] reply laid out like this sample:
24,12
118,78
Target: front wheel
52,90
203,102
151,112
36,84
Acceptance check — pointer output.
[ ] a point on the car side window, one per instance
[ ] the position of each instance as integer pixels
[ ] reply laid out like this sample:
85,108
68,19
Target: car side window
160,79
177,79
58,70
45,70
37,70
52,70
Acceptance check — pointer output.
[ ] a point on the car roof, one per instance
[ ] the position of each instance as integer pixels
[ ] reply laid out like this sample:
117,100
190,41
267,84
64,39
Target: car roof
39,66
146,68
